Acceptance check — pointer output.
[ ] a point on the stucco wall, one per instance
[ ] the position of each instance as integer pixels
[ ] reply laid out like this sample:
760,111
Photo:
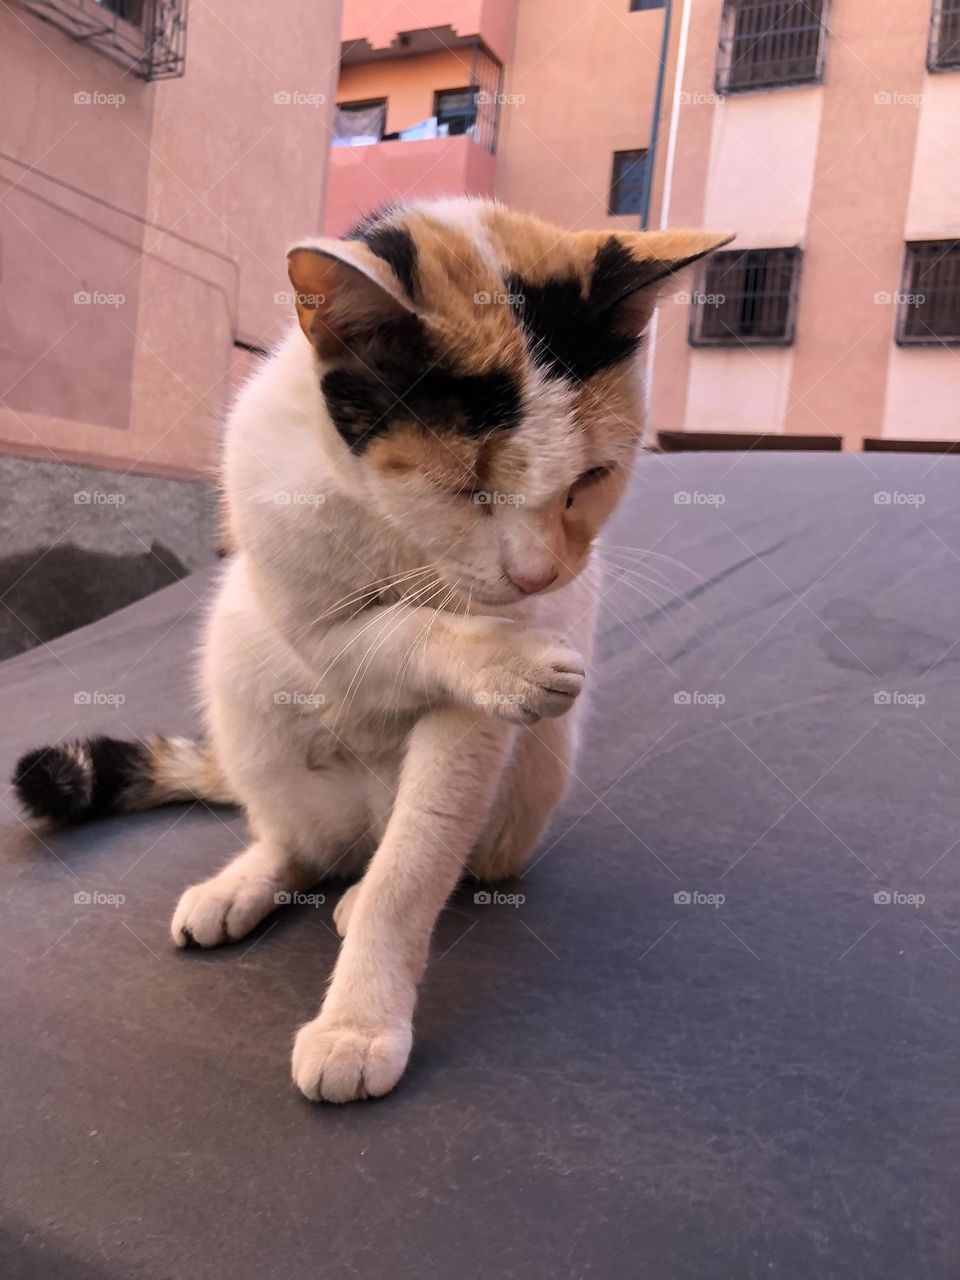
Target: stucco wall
171,206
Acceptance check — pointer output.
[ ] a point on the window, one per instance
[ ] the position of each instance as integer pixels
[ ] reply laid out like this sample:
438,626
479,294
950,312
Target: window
129,10
628,182
944,51
766,43
746,296
646,4
929,302
147,40
358,123
455,108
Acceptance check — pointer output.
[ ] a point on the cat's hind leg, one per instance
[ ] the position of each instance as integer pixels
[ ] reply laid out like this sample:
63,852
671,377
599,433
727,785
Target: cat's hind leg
530,790
309,824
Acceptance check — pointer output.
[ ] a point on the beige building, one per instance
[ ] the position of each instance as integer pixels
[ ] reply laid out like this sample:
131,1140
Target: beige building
826,134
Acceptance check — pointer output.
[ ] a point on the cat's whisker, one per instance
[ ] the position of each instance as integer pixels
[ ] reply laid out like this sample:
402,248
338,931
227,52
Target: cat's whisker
377,587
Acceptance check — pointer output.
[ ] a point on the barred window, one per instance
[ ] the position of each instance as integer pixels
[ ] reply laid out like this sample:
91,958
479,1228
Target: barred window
628,182
766,43
746,296
929,302
455,108
944,51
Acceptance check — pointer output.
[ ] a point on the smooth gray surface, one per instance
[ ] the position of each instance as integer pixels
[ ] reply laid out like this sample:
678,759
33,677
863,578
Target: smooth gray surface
607,1083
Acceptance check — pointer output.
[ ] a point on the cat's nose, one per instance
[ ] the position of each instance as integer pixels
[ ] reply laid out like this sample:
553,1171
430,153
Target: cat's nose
531,583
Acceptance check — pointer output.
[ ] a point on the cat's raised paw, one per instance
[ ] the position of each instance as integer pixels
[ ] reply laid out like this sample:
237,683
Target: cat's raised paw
343,1062
543,679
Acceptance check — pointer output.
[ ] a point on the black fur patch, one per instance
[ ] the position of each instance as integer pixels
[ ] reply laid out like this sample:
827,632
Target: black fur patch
59,783
392,376
573,336
396,246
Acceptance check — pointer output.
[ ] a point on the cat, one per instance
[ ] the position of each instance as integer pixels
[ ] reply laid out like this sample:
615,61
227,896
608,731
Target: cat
393,666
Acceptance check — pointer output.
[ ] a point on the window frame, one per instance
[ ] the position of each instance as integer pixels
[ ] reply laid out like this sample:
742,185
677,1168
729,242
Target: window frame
908,289
935,63
615,179
359,103
470,89
695,334
723,79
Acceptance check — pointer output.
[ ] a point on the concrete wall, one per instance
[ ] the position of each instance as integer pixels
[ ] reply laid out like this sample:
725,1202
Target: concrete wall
144,231
580,87
363,179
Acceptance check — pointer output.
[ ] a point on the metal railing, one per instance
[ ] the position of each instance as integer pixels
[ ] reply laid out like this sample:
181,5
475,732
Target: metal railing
147,37
928,312
943,53
746,297
767,43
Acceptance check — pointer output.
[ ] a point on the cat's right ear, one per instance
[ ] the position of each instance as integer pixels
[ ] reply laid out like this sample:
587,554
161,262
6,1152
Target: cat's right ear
342,291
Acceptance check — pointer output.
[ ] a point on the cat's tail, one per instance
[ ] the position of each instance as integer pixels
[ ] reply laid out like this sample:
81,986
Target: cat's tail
74,781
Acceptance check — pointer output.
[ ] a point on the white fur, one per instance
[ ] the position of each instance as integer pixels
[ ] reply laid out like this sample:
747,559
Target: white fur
407,740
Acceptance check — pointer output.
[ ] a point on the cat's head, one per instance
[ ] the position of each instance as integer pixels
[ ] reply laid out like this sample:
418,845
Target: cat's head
480,368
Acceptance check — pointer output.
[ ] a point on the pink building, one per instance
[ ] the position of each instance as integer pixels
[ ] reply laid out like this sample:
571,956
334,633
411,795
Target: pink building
150,180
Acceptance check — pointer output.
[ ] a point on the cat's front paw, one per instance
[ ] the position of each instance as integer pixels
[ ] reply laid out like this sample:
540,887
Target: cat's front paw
221,910
342,1061
541,676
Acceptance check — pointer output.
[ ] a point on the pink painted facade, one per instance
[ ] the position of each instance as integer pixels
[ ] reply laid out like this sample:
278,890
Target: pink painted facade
365,178
144,227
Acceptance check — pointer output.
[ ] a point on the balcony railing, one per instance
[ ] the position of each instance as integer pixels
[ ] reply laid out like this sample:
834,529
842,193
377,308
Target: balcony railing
146,37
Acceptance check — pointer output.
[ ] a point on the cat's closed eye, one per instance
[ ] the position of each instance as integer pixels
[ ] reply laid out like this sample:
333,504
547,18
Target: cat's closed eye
591,477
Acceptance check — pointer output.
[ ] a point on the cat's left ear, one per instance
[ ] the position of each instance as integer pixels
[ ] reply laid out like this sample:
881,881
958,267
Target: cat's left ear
341,291
630,268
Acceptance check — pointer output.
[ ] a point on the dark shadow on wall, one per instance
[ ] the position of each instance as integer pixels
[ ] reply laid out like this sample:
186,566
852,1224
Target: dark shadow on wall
45,593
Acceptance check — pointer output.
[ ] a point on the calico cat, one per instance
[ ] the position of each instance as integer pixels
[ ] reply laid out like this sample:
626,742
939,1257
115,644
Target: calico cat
393,665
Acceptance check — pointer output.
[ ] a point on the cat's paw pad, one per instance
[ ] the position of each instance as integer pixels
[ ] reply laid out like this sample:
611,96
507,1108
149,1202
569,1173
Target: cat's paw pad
543,681
221,910
344,908
341,1062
